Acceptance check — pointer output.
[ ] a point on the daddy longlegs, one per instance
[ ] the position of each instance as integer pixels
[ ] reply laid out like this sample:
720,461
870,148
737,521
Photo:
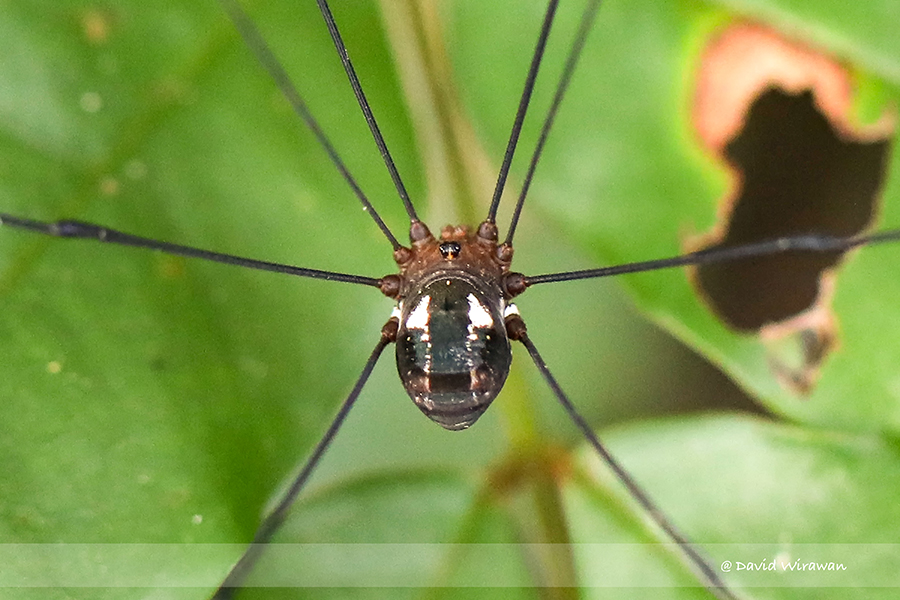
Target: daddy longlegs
169,269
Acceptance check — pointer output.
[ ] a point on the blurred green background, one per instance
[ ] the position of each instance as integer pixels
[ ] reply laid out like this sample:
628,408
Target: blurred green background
148,399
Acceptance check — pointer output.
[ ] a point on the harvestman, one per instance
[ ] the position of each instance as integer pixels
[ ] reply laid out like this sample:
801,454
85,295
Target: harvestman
453,321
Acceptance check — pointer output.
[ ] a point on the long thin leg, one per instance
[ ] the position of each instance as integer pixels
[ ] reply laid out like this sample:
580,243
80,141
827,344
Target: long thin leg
366,109
89,231
523,108
274,519
713,582
800,243
587,21
267,59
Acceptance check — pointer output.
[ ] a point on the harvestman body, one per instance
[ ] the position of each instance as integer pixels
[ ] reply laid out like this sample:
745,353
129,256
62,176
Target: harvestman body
454,319
453,351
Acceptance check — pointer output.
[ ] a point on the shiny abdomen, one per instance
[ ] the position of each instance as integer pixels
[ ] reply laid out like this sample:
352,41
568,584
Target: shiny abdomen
453,353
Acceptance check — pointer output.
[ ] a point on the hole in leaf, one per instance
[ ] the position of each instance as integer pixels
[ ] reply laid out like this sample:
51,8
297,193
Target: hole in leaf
778,115
797,176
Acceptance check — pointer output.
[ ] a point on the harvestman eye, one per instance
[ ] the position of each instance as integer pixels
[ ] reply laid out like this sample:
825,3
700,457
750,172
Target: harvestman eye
454,319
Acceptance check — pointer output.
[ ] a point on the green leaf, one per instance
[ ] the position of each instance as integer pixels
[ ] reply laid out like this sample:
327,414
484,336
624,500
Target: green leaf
151,400
643,187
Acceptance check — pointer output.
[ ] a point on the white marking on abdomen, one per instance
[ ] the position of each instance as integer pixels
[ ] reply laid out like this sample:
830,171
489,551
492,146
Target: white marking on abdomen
478,314
419,316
